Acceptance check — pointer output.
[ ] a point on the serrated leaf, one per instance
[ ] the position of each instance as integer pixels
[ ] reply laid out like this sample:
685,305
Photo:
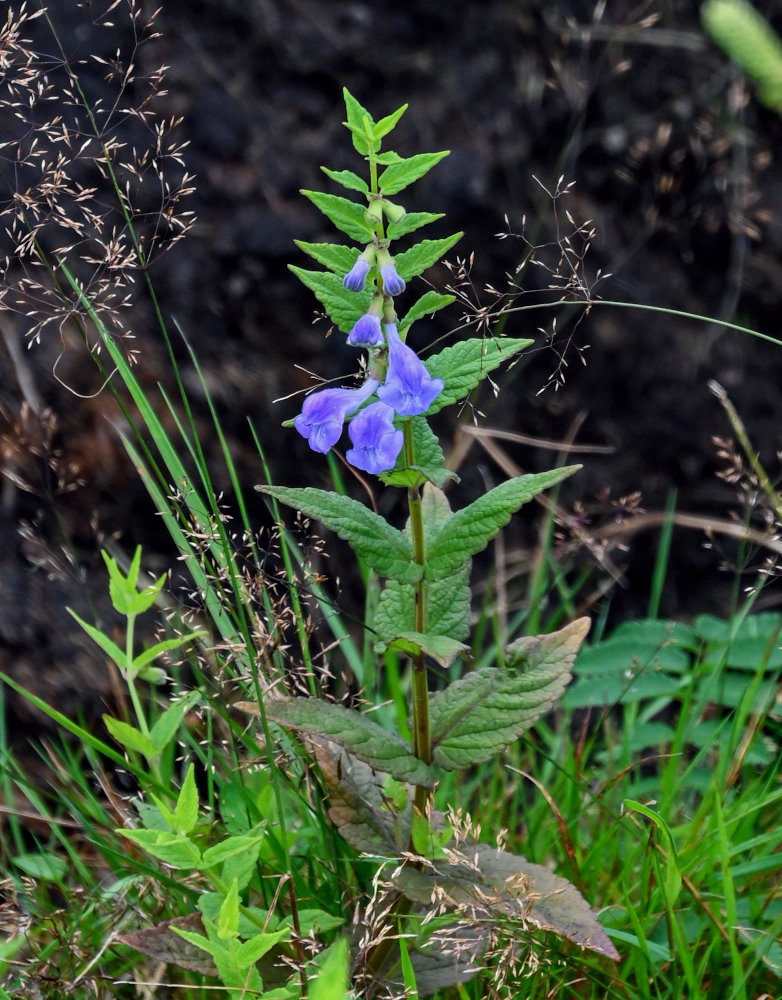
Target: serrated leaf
447,604
398,176
441,648
347,179
175,850
163,944
462,366
358,117
495,883
131,738
343,307
344,213
358,807
384,549
470,530
421,256
428,455
429,303
478,716
227,848
385,125
410,222
355,731
334,256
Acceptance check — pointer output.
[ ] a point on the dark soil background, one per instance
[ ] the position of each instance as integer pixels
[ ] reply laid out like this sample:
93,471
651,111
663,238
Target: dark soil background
673,160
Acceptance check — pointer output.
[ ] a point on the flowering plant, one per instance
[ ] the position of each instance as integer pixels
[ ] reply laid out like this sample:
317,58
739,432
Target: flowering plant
380,784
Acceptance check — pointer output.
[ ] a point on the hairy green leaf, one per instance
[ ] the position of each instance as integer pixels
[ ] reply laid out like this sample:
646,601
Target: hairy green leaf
385,125
398,176
343,307
410,222
344,213
384,549
429,303
462,366
471,529
441,648
354,731
478,716
347,179
447,604
421,256
334,256
359,120
358,806
495,883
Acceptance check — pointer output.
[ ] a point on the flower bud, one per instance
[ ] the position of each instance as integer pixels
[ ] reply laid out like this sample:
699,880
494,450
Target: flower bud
394,212
392,283
374,213
356,277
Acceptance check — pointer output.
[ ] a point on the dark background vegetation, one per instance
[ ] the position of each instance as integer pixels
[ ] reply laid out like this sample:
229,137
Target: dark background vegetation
672,157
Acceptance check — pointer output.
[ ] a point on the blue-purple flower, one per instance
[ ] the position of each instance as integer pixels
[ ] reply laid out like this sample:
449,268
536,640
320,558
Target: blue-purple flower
409,389
392,283
366,332
356,277
324,413
376,442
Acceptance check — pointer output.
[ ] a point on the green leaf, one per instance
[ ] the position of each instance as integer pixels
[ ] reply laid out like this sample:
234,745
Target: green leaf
398,176
148,655
358,119
130,738
384,549
344,213
429,303
125,596
175,850
249,952
428,454
494,883
111,649
471,529
343,307
229,847
334,256
385,125
359,805
388,157
347,179
746,36
355,731
463,365
421,256
186,810
441,648
447,603
42,865
332,982
228,921
166,727
673,875
411,222
476,717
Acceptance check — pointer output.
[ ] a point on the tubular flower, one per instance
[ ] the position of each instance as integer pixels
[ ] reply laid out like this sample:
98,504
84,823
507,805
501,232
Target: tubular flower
392,283
324,413
376,442
366,331
356,277
408,389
